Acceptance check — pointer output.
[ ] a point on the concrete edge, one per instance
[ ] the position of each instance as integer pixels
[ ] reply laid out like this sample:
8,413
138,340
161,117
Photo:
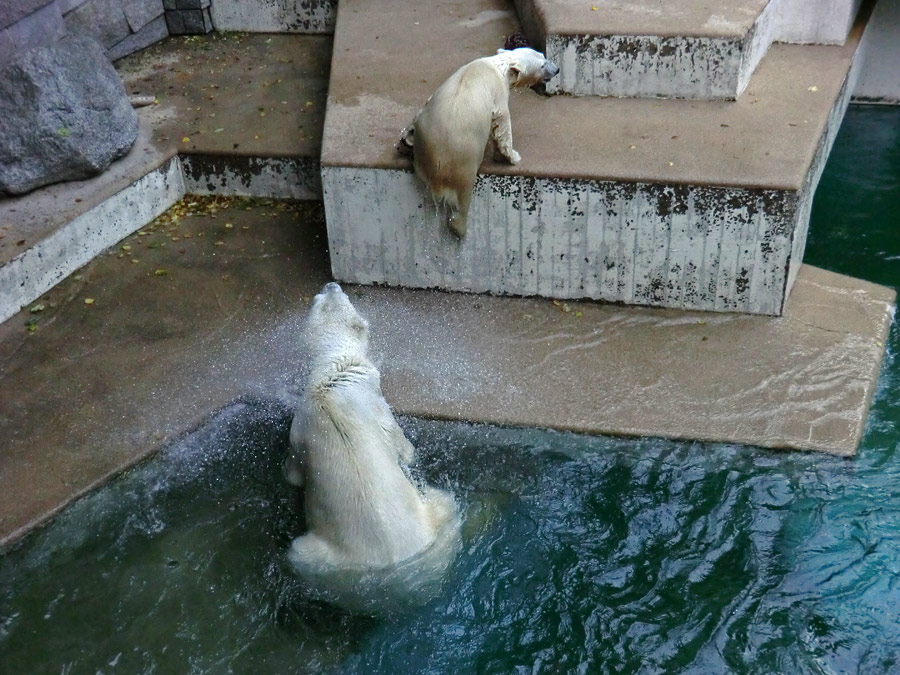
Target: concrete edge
757,44
234,176
12,538
721,65
385,230
877,365
71,246
275,16
75,243
827,137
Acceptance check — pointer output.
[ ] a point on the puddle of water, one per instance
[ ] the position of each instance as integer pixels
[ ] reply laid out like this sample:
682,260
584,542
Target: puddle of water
580,554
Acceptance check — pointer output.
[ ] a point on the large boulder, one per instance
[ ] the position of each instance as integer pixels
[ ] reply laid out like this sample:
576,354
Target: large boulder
64,115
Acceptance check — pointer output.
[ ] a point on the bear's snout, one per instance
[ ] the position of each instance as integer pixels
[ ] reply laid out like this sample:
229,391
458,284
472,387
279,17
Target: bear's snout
550,70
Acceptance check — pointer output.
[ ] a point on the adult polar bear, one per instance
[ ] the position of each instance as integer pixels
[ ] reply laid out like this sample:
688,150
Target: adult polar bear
468,109
369,526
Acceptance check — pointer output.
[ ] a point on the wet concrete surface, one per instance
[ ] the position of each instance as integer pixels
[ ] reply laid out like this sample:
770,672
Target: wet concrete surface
191,312
240,94
143,342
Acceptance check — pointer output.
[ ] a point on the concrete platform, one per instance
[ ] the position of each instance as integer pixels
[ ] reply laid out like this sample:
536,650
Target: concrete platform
204,306
690,49
687,204
196,139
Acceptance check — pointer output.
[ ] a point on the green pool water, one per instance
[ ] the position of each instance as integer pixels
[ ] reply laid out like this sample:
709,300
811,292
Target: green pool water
582,555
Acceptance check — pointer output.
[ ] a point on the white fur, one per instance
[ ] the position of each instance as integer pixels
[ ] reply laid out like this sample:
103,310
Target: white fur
469,108
362,510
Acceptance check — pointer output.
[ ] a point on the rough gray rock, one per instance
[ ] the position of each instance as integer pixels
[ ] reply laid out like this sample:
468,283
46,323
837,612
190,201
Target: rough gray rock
103,20
64,115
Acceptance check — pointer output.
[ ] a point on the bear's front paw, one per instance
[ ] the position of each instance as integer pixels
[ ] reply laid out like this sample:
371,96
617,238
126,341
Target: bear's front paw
514,157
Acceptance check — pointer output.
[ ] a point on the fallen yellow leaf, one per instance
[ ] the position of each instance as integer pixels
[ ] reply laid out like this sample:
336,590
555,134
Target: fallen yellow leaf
89,301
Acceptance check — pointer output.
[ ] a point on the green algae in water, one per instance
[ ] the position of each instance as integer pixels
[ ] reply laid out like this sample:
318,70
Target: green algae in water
581,554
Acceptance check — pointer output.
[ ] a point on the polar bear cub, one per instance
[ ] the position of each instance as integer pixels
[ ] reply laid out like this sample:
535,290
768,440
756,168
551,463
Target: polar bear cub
362,510
468,109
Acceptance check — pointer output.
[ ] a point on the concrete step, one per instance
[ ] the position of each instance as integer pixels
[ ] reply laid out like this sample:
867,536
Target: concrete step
822,22
274,16
690,49
236,115
687,204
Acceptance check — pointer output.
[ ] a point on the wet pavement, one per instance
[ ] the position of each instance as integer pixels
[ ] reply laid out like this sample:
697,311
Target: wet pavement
196,310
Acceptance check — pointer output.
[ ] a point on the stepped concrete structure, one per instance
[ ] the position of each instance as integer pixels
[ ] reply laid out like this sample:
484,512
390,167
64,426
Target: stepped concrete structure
690,49
687,204
669,203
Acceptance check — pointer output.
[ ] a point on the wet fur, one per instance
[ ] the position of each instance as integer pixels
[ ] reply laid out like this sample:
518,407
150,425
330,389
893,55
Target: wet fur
470,108
362,510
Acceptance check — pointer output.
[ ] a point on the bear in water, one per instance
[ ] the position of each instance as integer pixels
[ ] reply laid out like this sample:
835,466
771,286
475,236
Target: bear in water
373,532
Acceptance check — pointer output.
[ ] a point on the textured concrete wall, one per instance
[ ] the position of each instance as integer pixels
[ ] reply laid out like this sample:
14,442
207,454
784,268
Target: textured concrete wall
647,67
277,178
692,247
275,16
825,22
879,81
688,67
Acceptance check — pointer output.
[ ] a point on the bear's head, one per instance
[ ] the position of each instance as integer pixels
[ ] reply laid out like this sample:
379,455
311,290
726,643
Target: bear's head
334,325
528,67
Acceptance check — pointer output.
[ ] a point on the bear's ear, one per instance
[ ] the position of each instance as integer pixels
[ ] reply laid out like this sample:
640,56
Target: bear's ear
500,51
515,74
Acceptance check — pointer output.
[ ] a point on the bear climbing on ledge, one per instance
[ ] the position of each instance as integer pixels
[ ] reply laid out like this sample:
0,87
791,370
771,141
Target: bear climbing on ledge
469,108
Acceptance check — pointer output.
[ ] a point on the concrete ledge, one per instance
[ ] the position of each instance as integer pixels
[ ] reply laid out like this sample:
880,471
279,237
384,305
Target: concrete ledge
802,381
634,49
46,263
278,178
275,16
49,233
689,247
669,204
